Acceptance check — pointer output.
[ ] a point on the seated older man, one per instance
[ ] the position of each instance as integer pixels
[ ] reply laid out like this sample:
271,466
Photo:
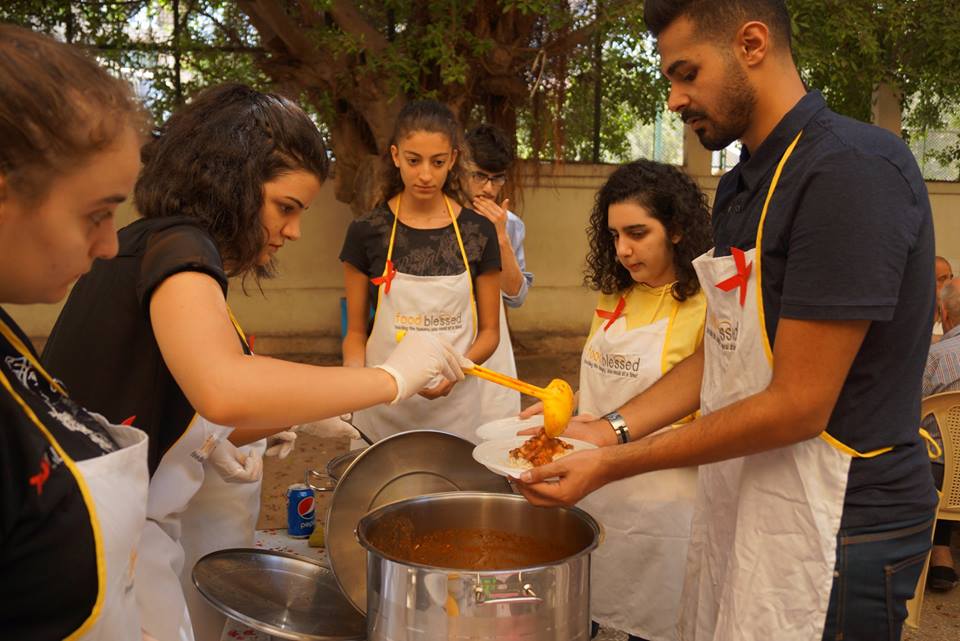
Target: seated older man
944,272
942,374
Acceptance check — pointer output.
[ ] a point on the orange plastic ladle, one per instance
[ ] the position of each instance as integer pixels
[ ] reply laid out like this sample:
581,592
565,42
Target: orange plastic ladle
557,397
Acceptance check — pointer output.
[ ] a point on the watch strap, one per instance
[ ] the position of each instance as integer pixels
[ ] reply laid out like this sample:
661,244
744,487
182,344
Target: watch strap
619,425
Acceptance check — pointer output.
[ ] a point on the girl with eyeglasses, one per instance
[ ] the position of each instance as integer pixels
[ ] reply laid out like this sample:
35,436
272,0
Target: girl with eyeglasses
488,157
426,265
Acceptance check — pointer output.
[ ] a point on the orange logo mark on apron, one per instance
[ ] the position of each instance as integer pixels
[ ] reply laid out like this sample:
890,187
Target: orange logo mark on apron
41,477
740,278
388,273
614,315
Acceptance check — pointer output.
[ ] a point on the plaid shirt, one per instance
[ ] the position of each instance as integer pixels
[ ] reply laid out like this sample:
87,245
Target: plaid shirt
941,374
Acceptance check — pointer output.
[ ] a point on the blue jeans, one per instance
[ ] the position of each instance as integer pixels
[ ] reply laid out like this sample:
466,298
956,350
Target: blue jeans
876,574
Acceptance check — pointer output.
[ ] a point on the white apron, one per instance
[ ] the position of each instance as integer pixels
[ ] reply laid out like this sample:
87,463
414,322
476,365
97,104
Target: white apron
117,482
114,488
174,484
179,530
443,305
636,572
220,515
763,543
498,401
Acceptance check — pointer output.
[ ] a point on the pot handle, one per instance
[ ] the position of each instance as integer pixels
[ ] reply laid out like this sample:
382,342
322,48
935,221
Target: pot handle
319,481
528,596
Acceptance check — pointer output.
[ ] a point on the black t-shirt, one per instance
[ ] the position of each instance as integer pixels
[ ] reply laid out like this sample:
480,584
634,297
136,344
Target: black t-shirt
420,252
103,346
848,236
48,559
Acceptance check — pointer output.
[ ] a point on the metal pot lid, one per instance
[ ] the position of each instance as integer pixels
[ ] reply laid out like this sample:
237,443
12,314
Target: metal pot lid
398,467
284,595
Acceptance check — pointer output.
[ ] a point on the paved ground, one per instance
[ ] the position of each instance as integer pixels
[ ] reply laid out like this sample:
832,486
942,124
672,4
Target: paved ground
940,618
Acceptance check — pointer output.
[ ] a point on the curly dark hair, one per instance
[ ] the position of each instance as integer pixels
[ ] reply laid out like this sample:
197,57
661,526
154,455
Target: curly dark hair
674,199
421,115
212,157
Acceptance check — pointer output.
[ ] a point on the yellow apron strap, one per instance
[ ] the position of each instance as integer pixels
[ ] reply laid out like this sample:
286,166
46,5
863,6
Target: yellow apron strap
240,333
463,254
934,451
846,449
386,264
18,345
81,483
759,246
466,263
393,233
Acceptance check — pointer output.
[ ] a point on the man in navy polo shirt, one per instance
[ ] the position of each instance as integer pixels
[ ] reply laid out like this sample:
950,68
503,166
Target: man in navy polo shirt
815,503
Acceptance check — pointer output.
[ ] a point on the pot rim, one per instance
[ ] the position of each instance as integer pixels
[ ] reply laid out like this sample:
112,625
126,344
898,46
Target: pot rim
462,495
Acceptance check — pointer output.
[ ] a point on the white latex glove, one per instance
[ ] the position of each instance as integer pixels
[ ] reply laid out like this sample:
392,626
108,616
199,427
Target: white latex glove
419,358
328,428
281,444
234,466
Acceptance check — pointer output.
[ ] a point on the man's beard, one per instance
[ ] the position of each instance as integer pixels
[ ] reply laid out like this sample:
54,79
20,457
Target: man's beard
735,107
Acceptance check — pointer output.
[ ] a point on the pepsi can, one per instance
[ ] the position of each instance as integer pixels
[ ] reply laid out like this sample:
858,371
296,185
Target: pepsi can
301,513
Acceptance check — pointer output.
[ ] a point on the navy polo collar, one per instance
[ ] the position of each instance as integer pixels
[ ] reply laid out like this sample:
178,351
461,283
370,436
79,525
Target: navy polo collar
754,167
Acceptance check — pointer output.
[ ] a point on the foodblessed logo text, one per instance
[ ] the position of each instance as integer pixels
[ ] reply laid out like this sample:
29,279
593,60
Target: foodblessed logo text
614,364
723,332
428,321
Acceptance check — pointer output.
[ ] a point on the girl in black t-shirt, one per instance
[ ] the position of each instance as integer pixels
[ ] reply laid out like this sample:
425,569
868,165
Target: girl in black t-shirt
223,188
72,486
428,266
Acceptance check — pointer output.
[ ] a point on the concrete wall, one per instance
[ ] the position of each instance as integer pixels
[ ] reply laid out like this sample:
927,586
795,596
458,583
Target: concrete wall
945,201
299,311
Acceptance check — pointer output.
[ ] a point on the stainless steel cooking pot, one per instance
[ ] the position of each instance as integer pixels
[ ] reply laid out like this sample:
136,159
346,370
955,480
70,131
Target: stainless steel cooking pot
326,481
414,601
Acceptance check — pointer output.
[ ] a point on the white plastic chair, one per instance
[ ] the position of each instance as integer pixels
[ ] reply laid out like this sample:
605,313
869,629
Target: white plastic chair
945,408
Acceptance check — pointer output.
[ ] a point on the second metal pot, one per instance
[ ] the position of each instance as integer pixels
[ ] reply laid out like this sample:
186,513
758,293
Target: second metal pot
408,601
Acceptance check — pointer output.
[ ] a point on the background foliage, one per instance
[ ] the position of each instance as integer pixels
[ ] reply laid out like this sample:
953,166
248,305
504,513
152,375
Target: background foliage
572,79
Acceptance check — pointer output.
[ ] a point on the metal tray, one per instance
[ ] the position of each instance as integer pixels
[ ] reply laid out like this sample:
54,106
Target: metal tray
283,595
401,466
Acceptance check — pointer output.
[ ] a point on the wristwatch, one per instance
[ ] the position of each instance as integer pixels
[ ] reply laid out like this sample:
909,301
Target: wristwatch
619,425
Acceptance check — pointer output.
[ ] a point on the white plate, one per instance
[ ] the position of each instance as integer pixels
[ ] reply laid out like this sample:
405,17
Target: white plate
495,455
507,427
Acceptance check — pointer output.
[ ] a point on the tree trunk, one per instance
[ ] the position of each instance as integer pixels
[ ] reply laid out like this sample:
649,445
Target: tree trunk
363,95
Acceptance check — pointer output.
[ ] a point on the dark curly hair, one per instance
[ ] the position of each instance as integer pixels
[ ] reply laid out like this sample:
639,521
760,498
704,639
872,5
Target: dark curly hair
421,115
212,157
674,199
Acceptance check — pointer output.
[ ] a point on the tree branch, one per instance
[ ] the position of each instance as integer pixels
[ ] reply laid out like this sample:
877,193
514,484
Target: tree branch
350,21
581,36
273,24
